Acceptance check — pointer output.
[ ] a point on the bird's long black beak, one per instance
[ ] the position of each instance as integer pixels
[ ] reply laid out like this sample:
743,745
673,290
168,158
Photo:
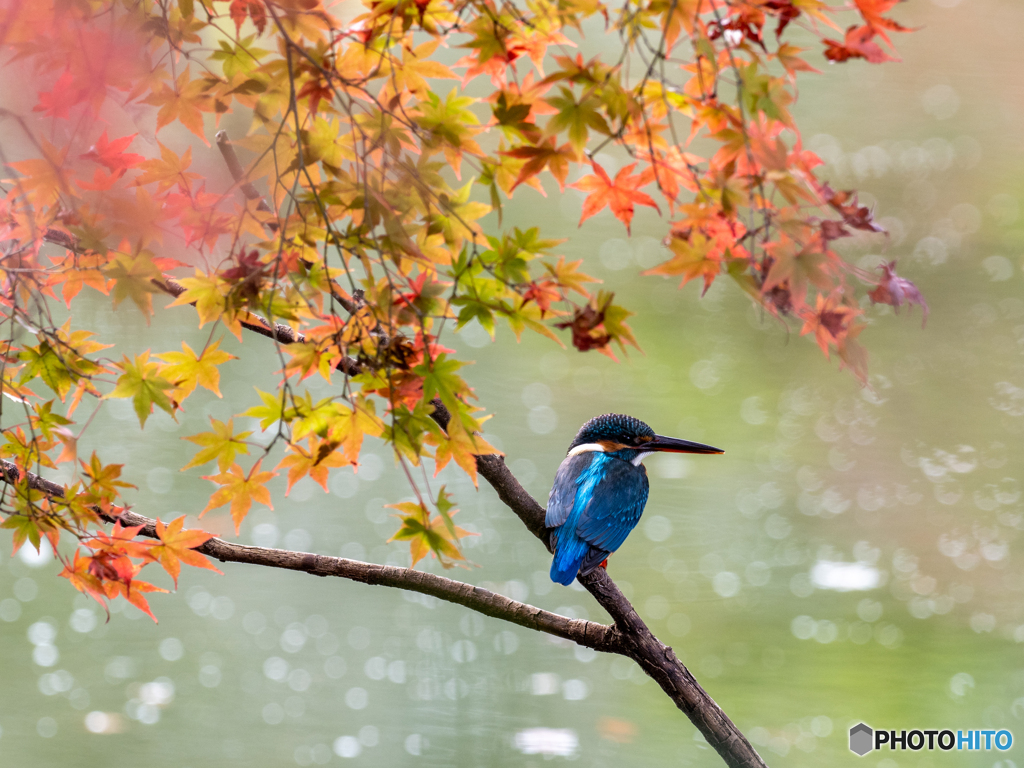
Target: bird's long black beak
675,445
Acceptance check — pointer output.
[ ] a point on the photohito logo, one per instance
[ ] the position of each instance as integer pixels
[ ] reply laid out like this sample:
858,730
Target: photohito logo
864,739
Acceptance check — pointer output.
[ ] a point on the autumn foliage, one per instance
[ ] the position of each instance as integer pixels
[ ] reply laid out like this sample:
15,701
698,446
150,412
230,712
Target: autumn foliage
353,233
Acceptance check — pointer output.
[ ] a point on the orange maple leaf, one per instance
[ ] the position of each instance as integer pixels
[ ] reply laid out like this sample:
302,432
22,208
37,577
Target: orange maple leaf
829,320
620,194
178,546
240,490
133,594
316,462
185,102
872,11
545,155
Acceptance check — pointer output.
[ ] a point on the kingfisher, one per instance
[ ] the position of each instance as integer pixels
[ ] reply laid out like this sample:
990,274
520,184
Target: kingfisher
600,491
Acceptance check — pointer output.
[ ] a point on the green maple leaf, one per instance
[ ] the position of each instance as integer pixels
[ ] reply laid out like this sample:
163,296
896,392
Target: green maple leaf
133,278
440,380
44,362
142,382
577,117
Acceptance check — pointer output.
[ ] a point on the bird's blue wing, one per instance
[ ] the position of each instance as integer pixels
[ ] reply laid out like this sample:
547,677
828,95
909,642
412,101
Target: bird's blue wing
615,506
563,493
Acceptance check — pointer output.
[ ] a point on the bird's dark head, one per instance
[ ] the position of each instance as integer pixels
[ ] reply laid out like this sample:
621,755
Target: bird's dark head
629,438
614,428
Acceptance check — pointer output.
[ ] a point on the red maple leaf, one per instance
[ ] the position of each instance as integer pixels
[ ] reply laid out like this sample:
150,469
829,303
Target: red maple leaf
854,215
112,154
620,194
857,45
895,290
254,9
57,102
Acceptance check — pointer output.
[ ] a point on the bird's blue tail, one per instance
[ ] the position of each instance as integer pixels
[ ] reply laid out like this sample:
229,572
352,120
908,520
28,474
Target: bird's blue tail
568,556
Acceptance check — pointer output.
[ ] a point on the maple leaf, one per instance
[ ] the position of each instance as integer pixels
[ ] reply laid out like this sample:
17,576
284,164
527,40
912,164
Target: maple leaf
79,270
29,522
112,154
169,170
577,118
462,446
49,365
133,593
58,100
702,245
44,178
568,275
854,215
857,45
350,426
788,55
178,546
272,409
829,321
670,169
103,480
185,102
133,277
586,325
693,256
410,73
872,11
545,155
316,462
142,382
679,16
437,535
440,380
239,490
187,369
209,295
221,444
254,9
798,267
450,125
895,290
544,292
81,577
619,194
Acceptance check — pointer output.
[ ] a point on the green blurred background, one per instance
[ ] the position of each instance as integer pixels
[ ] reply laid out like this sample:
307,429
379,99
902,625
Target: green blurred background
853,556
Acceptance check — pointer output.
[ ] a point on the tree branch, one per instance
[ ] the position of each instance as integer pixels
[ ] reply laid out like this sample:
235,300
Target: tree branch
591,634
235,169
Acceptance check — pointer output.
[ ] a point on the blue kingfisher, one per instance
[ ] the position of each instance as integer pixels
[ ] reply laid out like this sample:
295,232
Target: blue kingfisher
600,491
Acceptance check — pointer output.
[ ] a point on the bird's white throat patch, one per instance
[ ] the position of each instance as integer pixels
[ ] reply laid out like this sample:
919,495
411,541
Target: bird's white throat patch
585,448
640,457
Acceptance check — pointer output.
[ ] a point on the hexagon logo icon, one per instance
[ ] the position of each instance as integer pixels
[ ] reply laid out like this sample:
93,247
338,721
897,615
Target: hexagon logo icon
861,739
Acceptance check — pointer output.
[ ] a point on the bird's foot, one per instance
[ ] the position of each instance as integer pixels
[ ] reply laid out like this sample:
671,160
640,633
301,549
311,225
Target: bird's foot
604,563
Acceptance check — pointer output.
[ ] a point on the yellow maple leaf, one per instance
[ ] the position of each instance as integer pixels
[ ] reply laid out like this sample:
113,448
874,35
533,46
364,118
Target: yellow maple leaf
187,369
